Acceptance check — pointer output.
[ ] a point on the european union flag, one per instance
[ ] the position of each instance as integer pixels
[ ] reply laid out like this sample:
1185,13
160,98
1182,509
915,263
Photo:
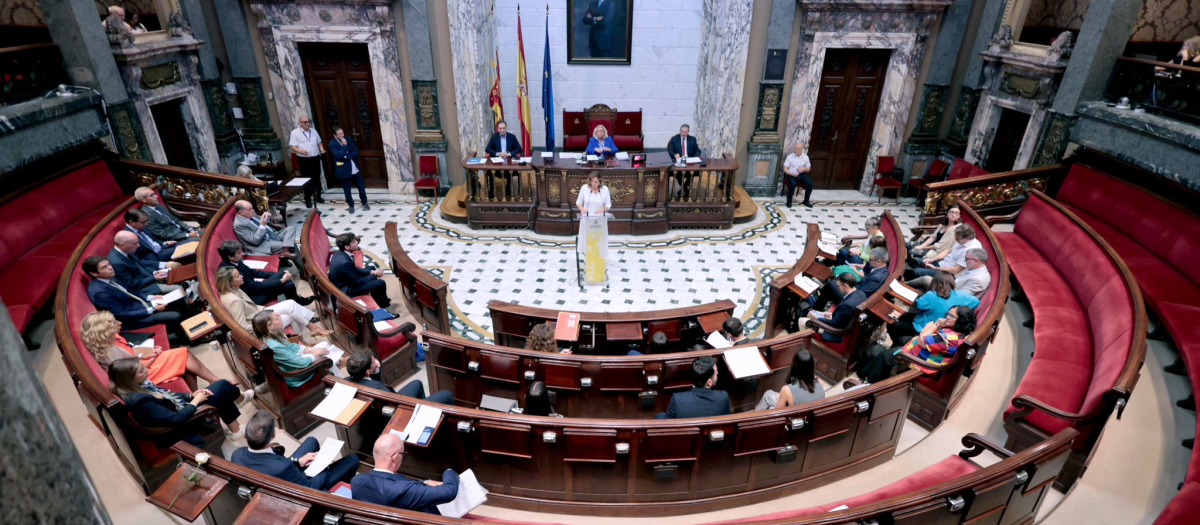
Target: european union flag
548,89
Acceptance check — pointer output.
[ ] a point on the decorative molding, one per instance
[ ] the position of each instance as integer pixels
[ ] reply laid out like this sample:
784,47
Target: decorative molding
1053,141
429,120
937,202
619,189
964,119
128,132
201,192
766,121
154,77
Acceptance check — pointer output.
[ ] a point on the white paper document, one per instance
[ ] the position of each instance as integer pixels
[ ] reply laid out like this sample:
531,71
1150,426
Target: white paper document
168,298
694,160
547,154
839,507
477,160
331,450
338,399
359,301
746,362
147,344
717,340
565,155
423,416
806,283
470,495
257,265
298,181
829,238
593,157
382,326
526,159
621,155
498,160
908,294
827,247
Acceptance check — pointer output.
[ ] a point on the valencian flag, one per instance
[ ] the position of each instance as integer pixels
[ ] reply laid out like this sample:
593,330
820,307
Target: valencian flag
548,88
522,88
494,98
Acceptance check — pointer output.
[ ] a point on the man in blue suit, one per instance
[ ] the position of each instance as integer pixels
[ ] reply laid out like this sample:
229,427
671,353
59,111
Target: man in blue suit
132,309
701,400
260,456
844,313
352,280
346,167
383,486
363,368
503,144
875,273
151,250
130,271
599,16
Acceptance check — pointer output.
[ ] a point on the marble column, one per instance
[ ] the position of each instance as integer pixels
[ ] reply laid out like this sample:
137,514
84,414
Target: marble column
89,61
428,139
257,134
1102,38
472,43
45,480
210,82
763,150
721,73
955,143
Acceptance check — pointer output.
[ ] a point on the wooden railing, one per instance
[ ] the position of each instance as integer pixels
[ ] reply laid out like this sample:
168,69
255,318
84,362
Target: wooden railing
991,194
1159,87
189,189
425,296
784,302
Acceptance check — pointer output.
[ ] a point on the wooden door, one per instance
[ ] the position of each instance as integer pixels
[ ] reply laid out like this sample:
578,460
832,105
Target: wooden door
342,93
851,85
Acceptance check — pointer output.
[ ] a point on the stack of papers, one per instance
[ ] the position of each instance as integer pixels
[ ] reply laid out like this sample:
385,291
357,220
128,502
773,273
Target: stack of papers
332,406
694,160
621,155
717,340
424,416
827,247
593,157
147,344
526,159
829,238
168,298
257,265
382,326
470,495
906,293
807,284
746,362
498,160
547,154
298,181
331,450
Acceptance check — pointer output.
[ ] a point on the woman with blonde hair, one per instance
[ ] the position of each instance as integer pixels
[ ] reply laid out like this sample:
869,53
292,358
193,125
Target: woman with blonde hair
541,339
594,197
268,326
243,308
152,406
601,143
101,336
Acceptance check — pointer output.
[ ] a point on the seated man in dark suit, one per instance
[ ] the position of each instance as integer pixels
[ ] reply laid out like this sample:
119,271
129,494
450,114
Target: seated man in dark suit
260,456
875,273
132,309
844,313
503,144
130,271
735,332
352,280
383,486
271,285
701,400
163,224
679,148
150,248
363,368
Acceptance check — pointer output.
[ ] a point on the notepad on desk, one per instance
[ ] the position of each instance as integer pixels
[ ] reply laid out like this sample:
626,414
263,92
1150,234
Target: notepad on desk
593,157
829,238
169,298
807,284
547,154
498,160
298,181
257,265
904,292
470,495
827,247
694,160
717,340
423,417
746,362
184,250
331,449
336,402
621,155
382,326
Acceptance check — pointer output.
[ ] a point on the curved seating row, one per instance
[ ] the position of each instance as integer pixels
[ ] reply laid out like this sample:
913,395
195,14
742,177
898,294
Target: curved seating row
397,353
424,295
937,395
135,445
614,333
1089,331
248,356
785,298
834,359
595,386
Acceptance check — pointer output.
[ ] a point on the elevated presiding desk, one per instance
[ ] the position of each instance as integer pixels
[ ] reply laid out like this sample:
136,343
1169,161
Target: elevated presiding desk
649,197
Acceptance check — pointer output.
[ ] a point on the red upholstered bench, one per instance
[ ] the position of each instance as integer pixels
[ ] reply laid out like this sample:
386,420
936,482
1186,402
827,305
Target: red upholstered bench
395,351
1089,333
42,226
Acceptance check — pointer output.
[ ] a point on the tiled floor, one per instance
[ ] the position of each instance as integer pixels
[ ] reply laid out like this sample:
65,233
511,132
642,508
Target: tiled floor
1129,481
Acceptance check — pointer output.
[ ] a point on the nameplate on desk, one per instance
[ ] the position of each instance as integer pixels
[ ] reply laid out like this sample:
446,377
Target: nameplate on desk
591,158
198,323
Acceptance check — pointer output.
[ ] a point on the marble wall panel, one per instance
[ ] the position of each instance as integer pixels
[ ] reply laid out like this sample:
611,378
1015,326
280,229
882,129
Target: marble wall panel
472,44
284,26
721,73
898,26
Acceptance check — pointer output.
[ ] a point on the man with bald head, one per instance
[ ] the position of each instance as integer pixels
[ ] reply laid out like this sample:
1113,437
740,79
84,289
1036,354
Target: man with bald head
163,224
383,486
257,235
306,143
130,272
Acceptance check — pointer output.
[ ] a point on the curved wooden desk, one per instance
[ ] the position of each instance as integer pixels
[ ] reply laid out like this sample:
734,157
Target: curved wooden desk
785,295
595,386
423,294
613,333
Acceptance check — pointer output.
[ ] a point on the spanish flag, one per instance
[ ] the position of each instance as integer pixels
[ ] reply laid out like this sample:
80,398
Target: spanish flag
494,98
522,88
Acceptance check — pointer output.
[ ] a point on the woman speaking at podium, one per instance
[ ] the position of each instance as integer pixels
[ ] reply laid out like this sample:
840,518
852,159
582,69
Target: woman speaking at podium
601,143
594,199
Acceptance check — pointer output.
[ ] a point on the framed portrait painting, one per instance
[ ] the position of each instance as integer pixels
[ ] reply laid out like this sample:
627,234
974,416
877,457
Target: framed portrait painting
599,31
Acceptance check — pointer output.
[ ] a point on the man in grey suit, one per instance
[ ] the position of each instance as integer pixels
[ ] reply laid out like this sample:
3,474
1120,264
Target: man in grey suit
256,234
163,224
976,279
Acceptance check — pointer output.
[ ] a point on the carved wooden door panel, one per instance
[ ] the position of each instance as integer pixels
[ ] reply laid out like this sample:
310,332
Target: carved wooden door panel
844,120
342,92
